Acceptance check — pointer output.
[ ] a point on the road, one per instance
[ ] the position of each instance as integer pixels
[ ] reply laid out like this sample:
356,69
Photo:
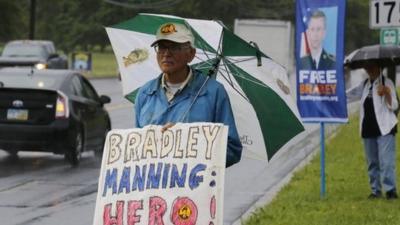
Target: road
42,188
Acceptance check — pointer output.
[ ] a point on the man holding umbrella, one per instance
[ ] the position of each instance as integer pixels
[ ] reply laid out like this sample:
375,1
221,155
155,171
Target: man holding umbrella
378,125
182,94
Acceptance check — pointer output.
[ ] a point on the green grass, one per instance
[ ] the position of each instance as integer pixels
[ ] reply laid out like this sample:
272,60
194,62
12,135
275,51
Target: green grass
346,202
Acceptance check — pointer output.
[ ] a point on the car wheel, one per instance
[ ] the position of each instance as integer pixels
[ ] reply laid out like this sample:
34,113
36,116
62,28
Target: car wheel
99,151
75,152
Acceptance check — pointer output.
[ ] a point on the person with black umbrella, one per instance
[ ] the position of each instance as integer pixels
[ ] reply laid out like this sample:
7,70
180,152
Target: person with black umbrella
378,126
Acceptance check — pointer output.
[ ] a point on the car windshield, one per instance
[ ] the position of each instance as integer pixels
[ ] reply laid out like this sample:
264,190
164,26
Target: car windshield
29,81
24,51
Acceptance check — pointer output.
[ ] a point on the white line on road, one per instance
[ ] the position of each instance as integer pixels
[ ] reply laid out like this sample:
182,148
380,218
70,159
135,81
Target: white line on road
118,106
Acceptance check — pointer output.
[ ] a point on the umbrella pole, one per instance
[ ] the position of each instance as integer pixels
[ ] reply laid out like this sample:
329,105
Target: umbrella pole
194,99
322,159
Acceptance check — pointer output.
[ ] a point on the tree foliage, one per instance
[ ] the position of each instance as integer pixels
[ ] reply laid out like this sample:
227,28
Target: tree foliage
12,20
357,28
76,24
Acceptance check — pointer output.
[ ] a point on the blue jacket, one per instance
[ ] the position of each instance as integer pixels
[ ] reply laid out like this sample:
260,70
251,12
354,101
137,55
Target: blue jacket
212,105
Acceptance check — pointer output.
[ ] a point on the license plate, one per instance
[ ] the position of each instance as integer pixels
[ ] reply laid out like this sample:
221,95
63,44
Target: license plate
17,114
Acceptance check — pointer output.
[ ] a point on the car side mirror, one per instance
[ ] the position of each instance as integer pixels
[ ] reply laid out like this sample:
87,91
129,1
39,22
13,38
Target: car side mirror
104,99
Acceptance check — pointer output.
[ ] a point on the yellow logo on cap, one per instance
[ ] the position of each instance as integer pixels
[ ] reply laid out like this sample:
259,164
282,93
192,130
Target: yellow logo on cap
168,28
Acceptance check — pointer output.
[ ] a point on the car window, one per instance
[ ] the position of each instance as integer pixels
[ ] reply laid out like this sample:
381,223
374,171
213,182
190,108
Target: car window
90,92
50,48
81,87
25,51
77,88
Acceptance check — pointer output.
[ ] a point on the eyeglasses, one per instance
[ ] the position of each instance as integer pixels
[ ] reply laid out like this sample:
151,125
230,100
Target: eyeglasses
161,49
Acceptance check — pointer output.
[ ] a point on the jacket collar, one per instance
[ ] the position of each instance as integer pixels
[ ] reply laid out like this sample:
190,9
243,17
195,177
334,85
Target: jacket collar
191,88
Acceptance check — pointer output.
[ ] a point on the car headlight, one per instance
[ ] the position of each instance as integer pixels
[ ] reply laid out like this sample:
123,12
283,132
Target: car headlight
40,66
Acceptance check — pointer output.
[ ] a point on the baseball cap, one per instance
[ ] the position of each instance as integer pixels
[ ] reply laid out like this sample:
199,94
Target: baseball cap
175,32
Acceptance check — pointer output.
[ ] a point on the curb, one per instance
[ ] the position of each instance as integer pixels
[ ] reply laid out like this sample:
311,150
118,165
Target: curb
311,149
273,191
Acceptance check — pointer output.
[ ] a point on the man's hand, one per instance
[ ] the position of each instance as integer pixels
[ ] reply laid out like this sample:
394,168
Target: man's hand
166,126
383,90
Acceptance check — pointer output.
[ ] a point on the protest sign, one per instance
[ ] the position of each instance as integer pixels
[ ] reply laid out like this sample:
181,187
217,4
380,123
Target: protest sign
319,60
172,177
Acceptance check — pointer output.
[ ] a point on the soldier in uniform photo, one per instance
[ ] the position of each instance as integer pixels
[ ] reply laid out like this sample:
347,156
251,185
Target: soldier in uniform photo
318,59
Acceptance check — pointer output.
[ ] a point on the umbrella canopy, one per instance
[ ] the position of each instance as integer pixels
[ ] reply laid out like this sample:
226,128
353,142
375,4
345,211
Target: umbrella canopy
383,55
264,111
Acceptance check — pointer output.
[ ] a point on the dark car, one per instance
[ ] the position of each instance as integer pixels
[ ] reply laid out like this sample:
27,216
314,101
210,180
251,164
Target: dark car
40,54
55,111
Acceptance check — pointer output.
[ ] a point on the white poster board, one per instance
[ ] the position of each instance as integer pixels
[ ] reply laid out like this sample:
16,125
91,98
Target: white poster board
153,178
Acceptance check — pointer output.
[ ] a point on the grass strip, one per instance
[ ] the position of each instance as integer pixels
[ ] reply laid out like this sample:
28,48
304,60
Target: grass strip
299,202
104,64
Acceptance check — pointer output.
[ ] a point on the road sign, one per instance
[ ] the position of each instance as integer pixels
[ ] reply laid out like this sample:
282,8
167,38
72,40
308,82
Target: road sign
389,36
384,13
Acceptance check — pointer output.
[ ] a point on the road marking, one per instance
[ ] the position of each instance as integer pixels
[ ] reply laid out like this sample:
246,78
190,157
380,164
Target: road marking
118,106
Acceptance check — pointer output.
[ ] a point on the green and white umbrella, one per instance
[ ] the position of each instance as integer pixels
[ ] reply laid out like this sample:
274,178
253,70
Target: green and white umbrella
265,113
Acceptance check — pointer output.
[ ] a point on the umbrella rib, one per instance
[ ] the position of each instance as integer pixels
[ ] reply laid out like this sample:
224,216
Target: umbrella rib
239,61
230,82
228,76
249,80
203,53
204,60
252,81
219,50
226,70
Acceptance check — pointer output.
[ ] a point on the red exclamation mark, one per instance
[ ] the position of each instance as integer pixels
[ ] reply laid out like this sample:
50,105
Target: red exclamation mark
213,208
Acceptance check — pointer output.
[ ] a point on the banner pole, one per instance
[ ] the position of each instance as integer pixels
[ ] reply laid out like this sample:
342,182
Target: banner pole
322,137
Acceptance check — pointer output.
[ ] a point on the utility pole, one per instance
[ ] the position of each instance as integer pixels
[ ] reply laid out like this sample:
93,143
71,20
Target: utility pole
32,20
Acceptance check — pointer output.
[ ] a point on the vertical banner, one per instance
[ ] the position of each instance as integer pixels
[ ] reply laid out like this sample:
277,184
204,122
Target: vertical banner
173,177
319,60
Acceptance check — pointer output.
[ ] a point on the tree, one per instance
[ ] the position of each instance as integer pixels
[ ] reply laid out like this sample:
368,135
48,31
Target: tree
12,19
358,33
75,24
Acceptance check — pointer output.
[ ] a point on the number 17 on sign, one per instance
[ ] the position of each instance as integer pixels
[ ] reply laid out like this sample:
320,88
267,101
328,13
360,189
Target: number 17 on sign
384,13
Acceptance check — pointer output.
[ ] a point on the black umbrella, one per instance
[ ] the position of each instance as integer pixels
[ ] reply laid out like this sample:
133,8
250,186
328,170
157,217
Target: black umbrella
383,55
